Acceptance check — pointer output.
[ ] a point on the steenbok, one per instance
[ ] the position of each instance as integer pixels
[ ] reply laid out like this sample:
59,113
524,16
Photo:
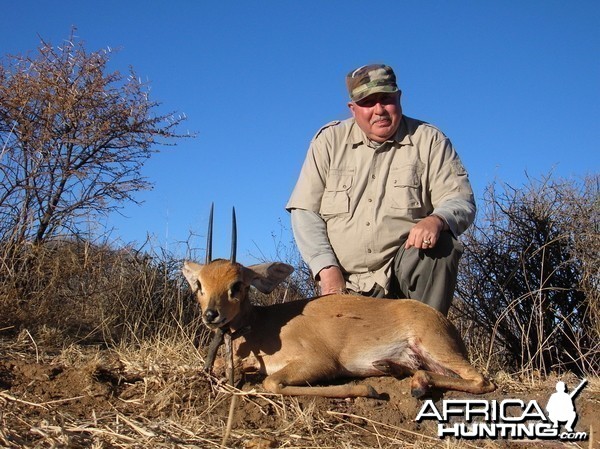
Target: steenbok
302,343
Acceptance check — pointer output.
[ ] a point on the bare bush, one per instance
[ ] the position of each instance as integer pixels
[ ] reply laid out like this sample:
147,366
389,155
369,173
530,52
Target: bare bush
73,139
528,282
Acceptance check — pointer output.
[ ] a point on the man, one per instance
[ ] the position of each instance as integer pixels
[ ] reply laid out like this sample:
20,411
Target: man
381,199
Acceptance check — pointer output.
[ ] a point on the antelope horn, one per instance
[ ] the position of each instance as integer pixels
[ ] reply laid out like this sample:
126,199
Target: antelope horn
233,236
209,236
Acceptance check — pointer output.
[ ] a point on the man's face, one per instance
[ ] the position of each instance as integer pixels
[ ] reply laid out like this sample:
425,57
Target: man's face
378,115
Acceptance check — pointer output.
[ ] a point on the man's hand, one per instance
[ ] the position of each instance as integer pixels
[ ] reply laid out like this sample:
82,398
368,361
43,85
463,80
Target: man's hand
331,280
425,234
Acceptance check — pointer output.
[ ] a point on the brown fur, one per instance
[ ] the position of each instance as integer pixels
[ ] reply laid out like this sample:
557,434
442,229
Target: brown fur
301,343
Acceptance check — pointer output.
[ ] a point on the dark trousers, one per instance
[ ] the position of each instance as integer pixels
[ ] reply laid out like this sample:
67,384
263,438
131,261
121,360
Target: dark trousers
428,275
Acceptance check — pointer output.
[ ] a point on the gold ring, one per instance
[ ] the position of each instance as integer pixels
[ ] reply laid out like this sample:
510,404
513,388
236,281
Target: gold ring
426,242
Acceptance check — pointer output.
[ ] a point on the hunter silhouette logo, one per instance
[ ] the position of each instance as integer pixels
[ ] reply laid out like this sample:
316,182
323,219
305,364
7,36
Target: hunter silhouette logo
508,418
560,406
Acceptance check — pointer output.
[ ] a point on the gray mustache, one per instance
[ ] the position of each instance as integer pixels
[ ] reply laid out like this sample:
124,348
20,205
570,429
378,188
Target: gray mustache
380,118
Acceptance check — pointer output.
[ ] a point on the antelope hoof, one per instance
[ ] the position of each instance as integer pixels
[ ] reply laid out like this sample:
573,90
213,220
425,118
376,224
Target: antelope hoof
420,385
372,393
419,392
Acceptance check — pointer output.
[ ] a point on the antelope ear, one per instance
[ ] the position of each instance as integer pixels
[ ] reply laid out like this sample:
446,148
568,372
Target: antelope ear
265,277
191,270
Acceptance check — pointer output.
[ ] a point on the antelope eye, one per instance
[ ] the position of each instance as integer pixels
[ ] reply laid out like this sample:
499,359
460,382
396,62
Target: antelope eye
235,290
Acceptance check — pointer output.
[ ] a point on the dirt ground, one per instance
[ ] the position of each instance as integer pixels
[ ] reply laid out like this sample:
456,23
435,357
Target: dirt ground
82,398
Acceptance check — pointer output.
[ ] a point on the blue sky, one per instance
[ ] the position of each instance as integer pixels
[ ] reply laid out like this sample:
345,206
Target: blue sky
514,84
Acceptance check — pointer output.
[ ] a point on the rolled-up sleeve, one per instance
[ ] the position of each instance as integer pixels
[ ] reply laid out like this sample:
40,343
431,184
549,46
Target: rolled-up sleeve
308,192
310,233
451,192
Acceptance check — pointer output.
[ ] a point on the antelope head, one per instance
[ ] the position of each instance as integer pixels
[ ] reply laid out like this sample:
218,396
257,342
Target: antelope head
221,286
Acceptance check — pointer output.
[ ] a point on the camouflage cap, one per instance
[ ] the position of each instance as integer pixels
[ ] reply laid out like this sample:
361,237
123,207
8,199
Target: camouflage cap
370,79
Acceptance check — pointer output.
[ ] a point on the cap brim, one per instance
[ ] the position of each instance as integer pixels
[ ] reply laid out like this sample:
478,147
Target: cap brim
373,90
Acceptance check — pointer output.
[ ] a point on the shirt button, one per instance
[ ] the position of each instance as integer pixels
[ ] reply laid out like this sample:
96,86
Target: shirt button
370,200
369,251
368,223
372,176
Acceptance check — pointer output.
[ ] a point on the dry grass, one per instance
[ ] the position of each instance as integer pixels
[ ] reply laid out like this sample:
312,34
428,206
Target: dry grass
154,394
103,347
157,396
69,290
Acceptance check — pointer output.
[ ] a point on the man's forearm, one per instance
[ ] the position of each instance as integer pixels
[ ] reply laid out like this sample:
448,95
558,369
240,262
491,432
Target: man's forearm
310,233
457,214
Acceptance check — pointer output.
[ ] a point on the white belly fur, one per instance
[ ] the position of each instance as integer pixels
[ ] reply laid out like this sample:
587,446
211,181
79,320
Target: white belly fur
361,364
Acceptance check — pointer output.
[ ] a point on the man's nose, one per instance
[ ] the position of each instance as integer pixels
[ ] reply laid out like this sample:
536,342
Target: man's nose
378,108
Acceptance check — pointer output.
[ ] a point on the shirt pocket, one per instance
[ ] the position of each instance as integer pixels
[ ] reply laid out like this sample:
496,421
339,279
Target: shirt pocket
405,187
336,196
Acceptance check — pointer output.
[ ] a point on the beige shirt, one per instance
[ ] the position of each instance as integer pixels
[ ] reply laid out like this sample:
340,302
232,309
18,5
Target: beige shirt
370,198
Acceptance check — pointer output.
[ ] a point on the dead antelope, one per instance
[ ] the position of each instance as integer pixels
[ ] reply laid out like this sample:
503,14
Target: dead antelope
302,343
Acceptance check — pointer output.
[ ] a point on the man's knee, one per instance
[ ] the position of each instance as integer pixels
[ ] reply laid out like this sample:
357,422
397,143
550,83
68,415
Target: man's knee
447,247
429,275
445,254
